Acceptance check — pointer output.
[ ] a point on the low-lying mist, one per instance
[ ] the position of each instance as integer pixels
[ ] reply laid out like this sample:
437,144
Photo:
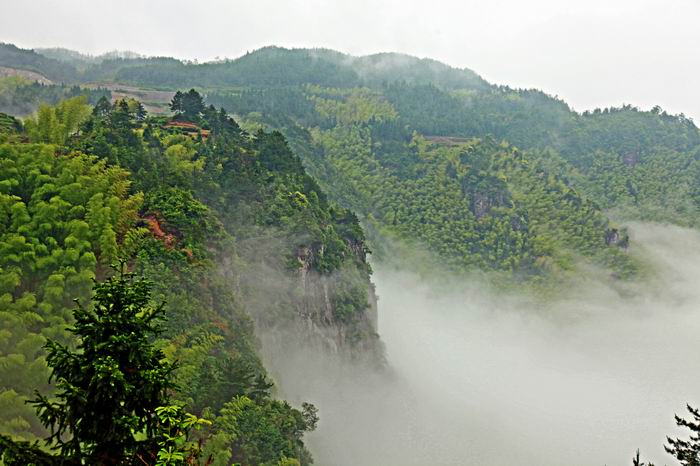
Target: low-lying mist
482,378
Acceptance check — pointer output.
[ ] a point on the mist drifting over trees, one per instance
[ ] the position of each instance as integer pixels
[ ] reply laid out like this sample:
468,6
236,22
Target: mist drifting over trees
318,246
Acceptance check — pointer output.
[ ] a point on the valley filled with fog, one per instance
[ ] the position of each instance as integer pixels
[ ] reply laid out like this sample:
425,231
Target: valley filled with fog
443,234
485,378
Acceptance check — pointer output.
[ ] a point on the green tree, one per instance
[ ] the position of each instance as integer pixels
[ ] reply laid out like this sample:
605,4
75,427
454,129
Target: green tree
192,105
266,433
56,124
110,388
636,461
112,404
176,103
687,451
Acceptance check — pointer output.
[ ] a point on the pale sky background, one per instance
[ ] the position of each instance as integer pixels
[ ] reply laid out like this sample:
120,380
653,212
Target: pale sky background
591,53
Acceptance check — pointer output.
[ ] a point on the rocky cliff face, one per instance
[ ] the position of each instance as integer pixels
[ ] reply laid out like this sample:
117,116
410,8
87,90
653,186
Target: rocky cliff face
293,304
318,305
615,237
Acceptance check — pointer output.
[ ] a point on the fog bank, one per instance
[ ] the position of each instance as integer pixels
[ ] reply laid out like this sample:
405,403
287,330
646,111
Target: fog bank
477,378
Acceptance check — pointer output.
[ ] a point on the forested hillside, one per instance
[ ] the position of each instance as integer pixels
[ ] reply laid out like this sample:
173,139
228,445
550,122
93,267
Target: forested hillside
479,202
247,221
228,228
487,176
22,97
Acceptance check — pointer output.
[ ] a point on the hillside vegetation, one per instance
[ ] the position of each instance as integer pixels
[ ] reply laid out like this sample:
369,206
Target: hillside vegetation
250,221
486,176
212,217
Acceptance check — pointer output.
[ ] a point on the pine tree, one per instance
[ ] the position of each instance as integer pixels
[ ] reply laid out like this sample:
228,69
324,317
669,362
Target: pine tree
112,405
687,451
140,112
636,461
121,115
192,105
176,103
102,108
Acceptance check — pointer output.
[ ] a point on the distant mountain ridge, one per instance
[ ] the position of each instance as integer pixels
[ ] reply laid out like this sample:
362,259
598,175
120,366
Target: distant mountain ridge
78,58
268,65
527,185
12,56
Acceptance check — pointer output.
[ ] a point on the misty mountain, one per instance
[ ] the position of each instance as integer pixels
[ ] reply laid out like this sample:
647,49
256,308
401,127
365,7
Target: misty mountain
52,69
253,219
228,228
358,122
81,59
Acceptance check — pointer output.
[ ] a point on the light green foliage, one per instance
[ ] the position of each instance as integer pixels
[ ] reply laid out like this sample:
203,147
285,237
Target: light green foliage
476,203
180,162
10,84
201,199
22,97
61,217
56,124
642,189
175,447
351,106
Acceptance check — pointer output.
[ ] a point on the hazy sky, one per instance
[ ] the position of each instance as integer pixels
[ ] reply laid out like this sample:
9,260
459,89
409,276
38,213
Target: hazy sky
589,52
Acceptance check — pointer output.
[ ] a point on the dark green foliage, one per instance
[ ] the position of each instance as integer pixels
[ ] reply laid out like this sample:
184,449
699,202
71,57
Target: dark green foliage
382,68
284,104
264,434
82,59
112,405
189,105
14,57
109,134
687,452
267,66
9,124
183,216
617,157
275,66
108,69
637,462
10,128
21,453
21,97
70,72
108,389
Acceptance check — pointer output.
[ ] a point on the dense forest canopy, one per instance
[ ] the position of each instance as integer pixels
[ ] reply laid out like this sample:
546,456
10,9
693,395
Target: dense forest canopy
257,218
190,204
487,176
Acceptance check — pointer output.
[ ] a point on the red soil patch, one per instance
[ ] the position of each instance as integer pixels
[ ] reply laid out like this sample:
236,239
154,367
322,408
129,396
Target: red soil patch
154,226
188,127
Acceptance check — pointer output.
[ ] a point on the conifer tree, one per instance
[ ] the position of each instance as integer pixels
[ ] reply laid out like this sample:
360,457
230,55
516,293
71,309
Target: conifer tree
112,405
176,103
192,105
687,451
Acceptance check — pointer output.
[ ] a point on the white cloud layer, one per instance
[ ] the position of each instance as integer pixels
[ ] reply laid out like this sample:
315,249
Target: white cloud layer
481,378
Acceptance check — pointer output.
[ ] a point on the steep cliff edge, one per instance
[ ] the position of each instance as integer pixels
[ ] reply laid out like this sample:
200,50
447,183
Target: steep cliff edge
236,238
